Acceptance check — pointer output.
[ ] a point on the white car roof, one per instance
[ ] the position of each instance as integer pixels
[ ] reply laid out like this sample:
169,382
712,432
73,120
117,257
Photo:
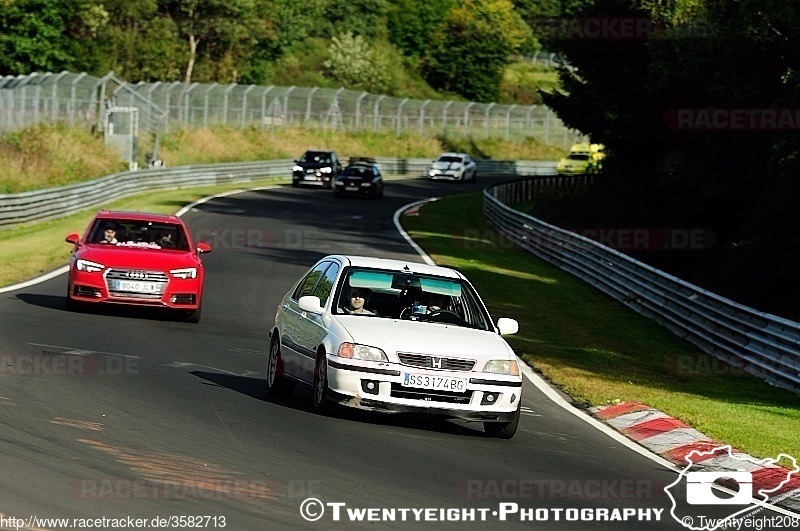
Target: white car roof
397,265
452,154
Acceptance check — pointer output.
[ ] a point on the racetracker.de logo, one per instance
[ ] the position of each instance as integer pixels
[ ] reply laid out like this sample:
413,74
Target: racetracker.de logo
715,119
614,28
66,364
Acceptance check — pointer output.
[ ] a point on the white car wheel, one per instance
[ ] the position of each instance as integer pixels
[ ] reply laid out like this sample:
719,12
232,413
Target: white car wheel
277,385
320,384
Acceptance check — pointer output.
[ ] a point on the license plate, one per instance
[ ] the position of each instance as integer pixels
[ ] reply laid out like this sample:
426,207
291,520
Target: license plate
440,383
137,287
351,188
310,177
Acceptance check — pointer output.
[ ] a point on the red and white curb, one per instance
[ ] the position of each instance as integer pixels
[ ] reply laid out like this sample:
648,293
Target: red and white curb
682,445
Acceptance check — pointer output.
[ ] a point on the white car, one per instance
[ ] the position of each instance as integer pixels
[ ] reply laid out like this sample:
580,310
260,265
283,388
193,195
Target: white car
453,167
414,338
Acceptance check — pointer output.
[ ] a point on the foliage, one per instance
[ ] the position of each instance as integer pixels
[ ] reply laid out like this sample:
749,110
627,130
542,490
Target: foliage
472,45
366,18
411,24
522,82
265,42
710,56
42,34
356,64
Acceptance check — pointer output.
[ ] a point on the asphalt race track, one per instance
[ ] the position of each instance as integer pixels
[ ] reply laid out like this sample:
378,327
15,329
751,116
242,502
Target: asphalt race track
126,413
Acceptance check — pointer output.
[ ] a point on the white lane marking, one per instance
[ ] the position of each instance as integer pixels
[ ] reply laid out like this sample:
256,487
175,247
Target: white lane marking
82,352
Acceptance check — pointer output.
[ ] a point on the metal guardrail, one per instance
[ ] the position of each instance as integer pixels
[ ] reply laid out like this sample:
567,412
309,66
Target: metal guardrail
63,201
764,345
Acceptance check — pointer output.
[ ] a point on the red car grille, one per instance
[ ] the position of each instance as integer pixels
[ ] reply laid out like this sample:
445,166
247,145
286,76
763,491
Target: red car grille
155,281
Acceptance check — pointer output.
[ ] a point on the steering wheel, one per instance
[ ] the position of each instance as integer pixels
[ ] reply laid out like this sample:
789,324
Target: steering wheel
444,316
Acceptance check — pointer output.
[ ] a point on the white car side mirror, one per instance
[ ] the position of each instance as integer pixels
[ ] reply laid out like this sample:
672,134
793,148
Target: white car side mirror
505,326
310,303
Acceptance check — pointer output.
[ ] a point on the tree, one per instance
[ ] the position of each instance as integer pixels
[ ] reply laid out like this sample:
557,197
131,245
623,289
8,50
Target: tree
698,58
472,45
46,35
360,17
215,30
411,24
356,64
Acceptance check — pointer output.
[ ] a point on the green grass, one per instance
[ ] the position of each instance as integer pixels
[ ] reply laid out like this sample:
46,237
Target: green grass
596,349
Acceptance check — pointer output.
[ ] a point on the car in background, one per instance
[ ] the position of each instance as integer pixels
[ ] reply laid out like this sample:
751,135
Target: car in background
453,167
362,176
395,336
316,168
137,259
583,158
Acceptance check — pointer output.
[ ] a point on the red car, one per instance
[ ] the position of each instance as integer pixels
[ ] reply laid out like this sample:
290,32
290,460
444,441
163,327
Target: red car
137,258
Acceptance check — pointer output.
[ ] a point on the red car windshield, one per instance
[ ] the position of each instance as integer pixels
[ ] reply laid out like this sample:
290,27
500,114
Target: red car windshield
139,234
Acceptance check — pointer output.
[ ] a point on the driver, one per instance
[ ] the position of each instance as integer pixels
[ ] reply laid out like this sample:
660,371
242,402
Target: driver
434,302
358,298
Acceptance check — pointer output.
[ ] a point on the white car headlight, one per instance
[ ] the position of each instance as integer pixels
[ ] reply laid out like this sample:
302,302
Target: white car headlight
186,272
88,266
361,352
297,168
509,367
326,170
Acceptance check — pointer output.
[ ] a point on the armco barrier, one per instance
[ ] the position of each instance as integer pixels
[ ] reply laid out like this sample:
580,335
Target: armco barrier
761,344
58,202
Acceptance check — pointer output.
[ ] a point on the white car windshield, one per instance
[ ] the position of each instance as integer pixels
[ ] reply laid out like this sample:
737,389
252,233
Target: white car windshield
449,159
410,296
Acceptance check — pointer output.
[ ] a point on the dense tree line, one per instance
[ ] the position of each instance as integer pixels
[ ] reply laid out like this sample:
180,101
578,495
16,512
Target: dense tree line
700,116
374,45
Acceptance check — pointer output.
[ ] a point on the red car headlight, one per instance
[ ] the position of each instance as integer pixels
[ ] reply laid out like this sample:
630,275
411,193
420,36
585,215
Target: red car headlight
88,266
184,273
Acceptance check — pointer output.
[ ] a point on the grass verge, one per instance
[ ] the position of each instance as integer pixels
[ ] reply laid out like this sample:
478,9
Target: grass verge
597,350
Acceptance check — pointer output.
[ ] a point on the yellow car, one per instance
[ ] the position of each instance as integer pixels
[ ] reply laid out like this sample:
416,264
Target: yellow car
582,158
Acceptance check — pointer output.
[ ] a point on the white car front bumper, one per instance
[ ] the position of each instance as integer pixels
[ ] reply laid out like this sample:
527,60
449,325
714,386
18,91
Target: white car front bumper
381,387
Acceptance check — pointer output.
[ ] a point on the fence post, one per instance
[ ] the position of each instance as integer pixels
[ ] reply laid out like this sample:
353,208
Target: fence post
358,109
400,114
422,117
243,120
308,104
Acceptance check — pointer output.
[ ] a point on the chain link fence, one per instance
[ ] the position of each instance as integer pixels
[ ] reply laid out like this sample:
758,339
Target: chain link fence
78,99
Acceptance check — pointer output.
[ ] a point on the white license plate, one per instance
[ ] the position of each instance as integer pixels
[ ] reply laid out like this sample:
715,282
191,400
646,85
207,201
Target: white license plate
137,287
440,383
351,188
